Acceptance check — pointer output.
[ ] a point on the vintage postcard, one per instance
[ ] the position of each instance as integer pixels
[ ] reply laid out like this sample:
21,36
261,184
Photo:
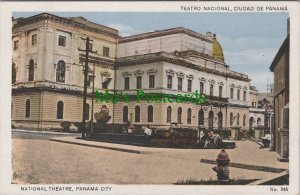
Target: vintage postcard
149,97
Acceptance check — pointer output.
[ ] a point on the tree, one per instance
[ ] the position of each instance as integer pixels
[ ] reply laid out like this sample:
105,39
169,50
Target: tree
102,117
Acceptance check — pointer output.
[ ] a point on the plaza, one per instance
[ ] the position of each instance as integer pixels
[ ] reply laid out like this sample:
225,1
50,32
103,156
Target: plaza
40,161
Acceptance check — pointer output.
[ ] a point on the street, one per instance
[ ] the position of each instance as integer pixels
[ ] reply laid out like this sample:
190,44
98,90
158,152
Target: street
37,160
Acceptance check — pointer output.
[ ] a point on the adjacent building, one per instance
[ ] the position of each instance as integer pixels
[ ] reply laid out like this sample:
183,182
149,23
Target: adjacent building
280,68
47,79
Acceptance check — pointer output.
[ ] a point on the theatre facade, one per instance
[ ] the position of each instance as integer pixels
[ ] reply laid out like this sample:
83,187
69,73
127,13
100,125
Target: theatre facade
48,79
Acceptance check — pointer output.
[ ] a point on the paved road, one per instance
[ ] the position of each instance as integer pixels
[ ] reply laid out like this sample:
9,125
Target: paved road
38,160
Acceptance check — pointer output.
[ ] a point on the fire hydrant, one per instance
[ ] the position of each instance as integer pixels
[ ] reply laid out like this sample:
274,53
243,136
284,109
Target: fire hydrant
222,168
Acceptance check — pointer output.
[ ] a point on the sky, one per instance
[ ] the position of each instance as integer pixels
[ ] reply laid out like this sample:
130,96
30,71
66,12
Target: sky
250,41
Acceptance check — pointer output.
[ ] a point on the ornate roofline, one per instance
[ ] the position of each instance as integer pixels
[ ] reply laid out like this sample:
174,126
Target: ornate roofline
160,33
163,57
77,22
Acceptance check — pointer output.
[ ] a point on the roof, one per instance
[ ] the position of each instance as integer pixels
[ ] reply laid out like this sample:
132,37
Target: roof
217,49
283,48
159,33
78,22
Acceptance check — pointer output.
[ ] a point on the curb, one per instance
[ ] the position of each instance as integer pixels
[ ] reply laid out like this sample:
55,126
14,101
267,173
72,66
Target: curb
43,132
269,181
97,146
247,166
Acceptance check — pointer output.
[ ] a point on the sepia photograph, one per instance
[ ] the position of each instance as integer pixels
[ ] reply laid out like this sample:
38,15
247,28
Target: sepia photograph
192,98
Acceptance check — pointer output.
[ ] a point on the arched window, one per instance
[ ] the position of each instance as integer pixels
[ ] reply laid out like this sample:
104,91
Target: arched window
87,112
169,114
14,73
259,121
179,113
150,113
60,110
244,120
137,114
251,122
60,71
220,120
238,119
189,116
27,110
125,114
31,70
211,120
231,119
201,117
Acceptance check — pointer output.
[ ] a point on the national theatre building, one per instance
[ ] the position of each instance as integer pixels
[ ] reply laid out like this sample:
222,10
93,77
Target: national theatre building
48,82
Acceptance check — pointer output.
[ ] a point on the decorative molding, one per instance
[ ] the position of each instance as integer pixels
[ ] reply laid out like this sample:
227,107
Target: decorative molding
151,71
202,79
245,87
221,83
138,73
170,72
126,74
190,77
211,81
105,74
180,74
238,87
232,85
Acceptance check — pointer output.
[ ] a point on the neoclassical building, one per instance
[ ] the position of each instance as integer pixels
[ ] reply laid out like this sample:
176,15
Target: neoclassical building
180,61
47,69
48,79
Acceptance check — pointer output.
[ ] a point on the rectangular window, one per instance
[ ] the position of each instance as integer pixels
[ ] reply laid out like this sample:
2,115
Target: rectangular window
139,82
238,94
169,84
105,51
211,90
34,39
16,45
231,93
179,83
201,87
189,88
220,91
151,81
126,83
245,95
62,41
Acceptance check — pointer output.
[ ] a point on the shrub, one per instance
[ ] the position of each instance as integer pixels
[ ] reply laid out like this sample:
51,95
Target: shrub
65,125
225,133
79,126
102,117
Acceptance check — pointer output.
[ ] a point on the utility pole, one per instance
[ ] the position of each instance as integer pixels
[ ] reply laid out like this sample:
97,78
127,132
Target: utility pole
85,72
92,115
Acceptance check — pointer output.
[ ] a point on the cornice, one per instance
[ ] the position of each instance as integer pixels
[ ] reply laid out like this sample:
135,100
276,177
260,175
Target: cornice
163,57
